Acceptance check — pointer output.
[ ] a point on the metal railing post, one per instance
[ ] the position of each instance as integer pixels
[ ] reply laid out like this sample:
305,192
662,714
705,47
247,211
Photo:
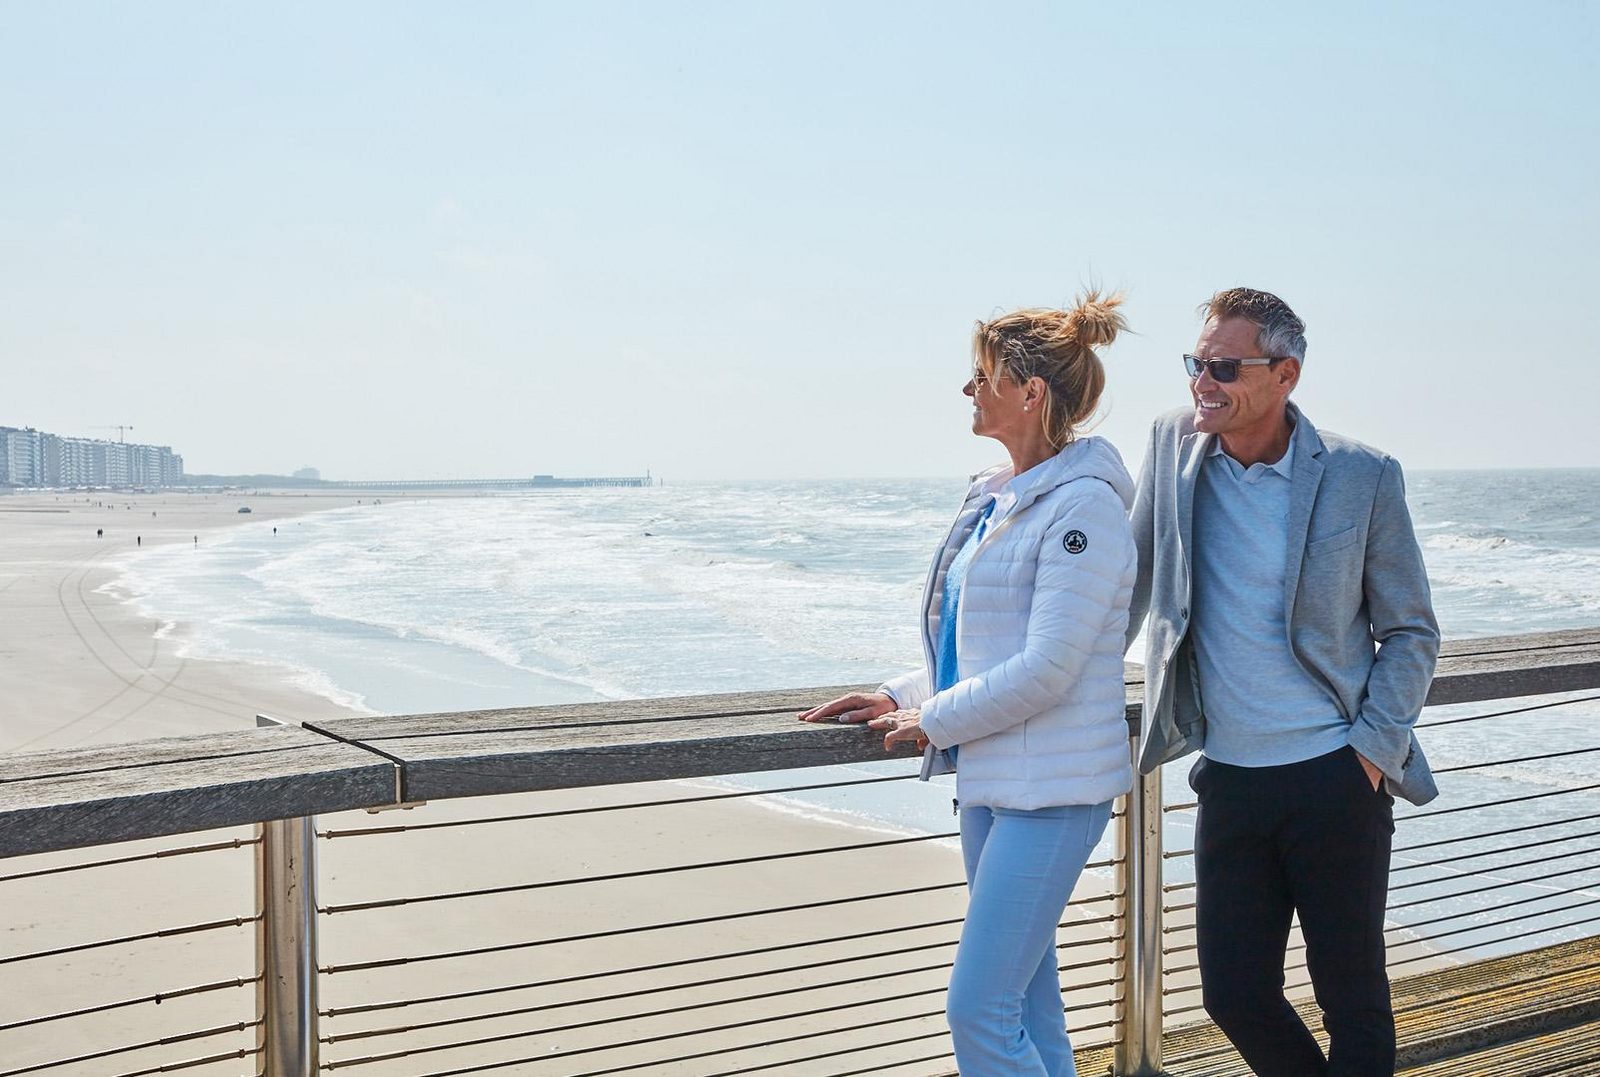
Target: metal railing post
1138,845
286,944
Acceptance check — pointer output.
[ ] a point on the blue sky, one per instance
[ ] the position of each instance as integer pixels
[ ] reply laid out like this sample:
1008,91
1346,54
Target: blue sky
750,240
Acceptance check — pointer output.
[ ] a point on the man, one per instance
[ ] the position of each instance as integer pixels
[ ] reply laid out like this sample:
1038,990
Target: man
1292,640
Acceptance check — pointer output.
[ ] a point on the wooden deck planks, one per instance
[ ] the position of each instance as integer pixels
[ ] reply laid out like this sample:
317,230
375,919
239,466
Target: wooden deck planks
1469,1019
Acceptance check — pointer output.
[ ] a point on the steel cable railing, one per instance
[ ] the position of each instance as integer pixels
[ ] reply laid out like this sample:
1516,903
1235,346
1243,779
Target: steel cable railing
1475,947
663,965
1481,926
194,1063
589,936
33,1040
765,1042
617,876
1501,885
808,1060
1482,853
155,999
1431,813
943,1057
677,1006
163,1041
1497,867
557,813
1503,921
1497,833
1541,757
639,1015
159,854
659,1038
643,992
124,940
783,970
1445,920
1439,723
1569,892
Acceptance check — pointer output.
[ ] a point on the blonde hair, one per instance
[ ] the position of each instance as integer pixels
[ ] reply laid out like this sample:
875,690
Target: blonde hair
1058,347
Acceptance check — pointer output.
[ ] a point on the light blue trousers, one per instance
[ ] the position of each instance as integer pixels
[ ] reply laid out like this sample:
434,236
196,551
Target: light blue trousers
1004,1005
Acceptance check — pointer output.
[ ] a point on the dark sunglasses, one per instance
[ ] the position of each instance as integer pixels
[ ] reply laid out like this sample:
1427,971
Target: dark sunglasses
1223,370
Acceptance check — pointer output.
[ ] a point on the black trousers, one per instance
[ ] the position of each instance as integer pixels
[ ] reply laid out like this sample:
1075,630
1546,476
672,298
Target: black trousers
1310,838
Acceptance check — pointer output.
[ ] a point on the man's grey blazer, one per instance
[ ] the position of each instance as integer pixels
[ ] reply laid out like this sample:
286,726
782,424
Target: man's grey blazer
1356,596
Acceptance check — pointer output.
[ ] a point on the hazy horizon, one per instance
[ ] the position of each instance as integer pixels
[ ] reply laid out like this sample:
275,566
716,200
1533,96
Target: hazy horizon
730,241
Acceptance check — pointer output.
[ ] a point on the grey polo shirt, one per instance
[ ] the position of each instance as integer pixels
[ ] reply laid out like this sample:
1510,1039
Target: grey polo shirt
1261,708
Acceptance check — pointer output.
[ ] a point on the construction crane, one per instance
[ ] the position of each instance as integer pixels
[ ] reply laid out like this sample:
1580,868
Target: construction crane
120,428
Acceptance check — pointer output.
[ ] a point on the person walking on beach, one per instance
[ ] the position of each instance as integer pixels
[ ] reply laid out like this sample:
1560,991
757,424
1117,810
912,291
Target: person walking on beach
1292,641
1023,618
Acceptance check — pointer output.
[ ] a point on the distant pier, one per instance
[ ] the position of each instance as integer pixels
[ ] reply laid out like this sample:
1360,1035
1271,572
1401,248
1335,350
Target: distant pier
291,482
537,482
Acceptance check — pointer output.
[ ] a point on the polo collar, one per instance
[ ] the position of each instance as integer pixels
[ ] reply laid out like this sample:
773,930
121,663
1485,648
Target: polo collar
1283,465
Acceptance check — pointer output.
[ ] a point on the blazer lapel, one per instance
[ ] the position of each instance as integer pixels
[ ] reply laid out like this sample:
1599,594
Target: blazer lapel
1192,452
1302,497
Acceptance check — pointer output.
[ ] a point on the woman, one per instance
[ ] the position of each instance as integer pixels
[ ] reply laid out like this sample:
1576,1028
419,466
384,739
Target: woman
1022,627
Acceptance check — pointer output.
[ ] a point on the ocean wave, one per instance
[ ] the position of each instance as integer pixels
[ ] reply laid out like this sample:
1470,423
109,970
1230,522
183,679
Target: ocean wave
202,639
736,584
1475,543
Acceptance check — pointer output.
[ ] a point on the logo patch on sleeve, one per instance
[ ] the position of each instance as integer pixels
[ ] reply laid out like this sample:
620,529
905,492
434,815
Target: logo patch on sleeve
1075,541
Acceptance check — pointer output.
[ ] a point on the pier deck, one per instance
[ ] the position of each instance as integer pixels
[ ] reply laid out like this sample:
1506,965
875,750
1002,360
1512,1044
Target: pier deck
1530,1013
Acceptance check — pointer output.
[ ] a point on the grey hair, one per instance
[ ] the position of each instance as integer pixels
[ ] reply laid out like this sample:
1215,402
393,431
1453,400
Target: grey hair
1280,332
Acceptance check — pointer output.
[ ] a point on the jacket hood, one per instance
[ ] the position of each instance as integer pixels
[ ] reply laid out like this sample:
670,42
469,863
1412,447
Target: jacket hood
1086,458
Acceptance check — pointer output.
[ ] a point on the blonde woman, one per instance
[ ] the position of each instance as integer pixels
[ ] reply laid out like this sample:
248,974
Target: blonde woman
1023,619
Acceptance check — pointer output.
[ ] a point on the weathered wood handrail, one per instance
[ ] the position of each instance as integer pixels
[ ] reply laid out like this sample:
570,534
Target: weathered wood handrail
122,792
76,797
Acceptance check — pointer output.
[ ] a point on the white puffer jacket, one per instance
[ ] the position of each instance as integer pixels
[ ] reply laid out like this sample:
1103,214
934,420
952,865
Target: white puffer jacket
1038,711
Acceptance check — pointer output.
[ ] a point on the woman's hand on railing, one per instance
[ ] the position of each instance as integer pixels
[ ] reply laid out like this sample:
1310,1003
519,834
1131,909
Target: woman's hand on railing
856,707
900,727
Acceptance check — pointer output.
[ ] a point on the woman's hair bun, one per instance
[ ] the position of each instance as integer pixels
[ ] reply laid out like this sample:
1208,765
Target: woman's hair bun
1095,320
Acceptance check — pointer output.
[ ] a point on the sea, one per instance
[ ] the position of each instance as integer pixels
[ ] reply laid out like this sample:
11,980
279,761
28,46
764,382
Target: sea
414,606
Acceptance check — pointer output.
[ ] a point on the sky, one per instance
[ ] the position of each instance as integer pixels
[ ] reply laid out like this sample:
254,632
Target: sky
736,240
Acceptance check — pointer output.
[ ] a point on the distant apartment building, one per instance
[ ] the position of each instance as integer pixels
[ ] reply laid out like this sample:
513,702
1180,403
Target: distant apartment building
22,457
33,458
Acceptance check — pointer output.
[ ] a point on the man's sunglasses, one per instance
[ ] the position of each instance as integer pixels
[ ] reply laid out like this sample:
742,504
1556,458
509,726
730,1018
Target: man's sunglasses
1223,370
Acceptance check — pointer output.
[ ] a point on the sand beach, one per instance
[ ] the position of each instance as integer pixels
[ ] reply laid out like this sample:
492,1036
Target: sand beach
80,666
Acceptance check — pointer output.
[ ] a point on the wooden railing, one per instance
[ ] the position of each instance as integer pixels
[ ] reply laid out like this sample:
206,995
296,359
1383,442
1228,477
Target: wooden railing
281,777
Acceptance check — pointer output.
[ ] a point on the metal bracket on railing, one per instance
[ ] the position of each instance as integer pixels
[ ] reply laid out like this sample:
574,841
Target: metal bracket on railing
407,806
1138,844
286,943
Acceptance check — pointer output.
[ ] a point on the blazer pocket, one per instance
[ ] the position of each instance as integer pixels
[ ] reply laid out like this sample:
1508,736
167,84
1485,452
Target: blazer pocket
1332,544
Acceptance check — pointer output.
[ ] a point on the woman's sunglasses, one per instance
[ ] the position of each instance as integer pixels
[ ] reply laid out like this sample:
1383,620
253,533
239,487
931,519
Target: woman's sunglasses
1223,370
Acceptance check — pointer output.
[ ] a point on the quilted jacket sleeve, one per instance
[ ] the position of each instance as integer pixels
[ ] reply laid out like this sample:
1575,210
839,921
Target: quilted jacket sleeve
909,689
